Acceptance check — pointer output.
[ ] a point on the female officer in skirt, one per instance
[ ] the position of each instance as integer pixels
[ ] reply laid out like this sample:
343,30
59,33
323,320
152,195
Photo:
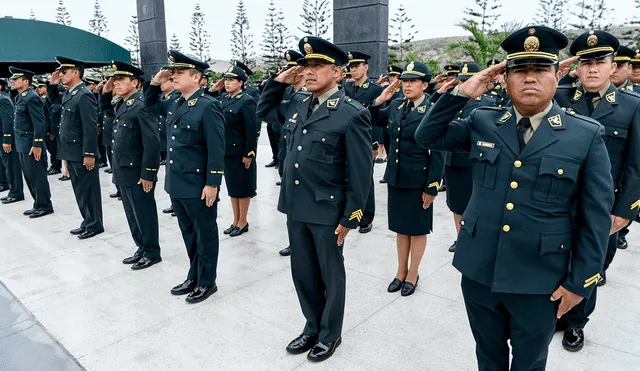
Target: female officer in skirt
241,139
413,174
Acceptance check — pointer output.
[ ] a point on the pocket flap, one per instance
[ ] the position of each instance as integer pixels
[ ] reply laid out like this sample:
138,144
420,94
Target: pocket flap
561,169
555,242
331,195
468,222
325,138
126,160
190,125
484,153
615,132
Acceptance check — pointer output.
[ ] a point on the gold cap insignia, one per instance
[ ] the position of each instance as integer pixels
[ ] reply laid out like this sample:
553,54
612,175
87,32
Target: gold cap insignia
532,31
350,55
390,69
465,69
172,59
592,40
410,67
637,54
230,69
555,121
531,44
307,48
115,68
288,57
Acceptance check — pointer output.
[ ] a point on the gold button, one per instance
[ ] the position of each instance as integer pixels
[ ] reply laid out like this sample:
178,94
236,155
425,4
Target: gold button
175,126
304,131
560,171
324,140
113,141
518,163
197,170
506,228
170,149
115,130
397,140
297,182
130,163
299,148
561,246
173,138
296,165
125,125
481,154
171,161
397,150
462,222
509,206
398,129
188,126
285,137
396,161
116,120
331,197
514,185
615,132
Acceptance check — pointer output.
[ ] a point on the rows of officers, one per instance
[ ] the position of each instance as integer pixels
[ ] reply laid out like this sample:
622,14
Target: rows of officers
566,165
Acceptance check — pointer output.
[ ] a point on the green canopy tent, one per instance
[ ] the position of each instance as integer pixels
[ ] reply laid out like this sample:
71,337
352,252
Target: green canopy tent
34,45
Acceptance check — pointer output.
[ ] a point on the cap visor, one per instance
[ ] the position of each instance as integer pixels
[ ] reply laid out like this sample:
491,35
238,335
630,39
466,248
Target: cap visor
531,61
409,75
463,77
594,56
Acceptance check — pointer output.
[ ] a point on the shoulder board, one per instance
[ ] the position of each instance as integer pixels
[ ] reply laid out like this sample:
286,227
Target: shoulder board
566,87
354,103
634,94
572,113
492,108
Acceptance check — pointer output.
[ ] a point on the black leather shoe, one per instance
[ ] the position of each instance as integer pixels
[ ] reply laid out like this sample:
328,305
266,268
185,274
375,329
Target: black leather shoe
409,288
163,162
54,172
322,352
10,200
88,234
132,259
40,213
64,178
395,285
229,230
383,181
108,170
237,231
573,339
115,195
3,198
301,344
273,163
168,210
442,188
77,231
184,288
365,227
603,279
103,164
28,212
145,263
285,252
4,189
173,214
622,243
201,293
452,248
379,161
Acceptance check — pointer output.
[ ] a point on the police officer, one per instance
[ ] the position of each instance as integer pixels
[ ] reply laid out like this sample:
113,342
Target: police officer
30,129
497,91
54,97
166,96
107,128
365,91
136,157
9,155
78,144
327,170
525,260
412,174
635,68
194,168
392,76
620,77
618,110
247,87
40,88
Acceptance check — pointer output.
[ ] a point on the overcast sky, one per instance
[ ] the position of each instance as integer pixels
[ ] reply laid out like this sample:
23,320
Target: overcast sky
433,18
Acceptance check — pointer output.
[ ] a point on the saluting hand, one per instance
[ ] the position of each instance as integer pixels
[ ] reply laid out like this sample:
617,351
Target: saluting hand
388,92
209,195
36,152
289,76
568,300
217,86
565,66
55,78
108,87
341,232
162,76
427,200
448,85
477,84
147,185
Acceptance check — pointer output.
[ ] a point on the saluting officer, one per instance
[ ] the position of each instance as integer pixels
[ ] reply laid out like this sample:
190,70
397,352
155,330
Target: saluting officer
30,128
78,144
194,168
393,75
327,170
365,91
9,155
136,157
497,91
525,263
618,110
247,87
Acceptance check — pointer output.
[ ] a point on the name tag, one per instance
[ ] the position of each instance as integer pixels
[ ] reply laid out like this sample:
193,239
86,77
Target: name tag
485,144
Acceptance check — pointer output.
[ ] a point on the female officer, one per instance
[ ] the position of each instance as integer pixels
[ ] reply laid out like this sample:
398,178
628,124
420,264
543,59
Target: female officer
412,175
241,138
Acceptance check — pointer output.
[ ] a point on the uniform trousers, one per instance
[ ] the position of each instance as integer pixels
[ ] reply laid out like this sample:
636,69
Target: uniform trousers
142,216
199,226
52,147
35,174
274,138
4,180
317,268
86,187
13,171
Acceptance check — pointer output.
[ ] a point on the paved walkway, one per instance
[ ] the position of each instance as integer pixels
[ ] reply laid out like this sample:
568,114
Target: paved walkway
112,318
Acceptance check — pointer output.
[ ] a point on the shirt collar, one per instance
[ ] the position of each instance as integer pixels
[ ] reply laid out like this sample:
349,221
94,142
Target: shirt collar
418,102
188,96
535,119
327,95
75,86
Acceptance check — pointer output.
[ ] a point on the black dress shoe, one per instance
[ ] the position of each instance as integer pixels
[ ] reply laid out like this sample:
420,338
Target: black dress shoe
301,344
395,285
201,293
622,243
285,252
107,170
132,259
64,178
88,234
573,339
115,195
163,162
184,288
4,189
279,183
452,248
442,188
237,231
168,210
10,200
365,227
409,288
40,213
603,279
273,163
3,198
173,214
229,230
77,231
29,212
321,352
103,164
383,181
145,263
54,172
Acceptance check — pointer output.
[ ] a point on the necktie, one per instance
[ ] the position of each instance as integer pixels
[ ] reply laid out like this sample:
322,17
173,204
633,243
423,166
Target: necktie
589,97
313,104
523,126
407,109
181,101
355,89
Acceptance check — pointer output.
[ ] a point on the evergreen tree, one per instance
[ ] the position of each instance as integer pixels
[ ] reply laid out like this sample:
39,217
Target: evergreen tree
485,15
402,31
632,37
62,16
558,16
600,17
284,37
133,41
98,24
581,15
32,15
551,13
242,39
315,18
199,37
174,43
270,40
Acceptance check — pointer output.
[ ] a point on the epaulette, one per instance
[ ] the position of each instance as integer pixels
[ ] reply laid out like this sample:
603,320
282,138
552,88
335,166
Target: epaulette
571,112
567,86
354,103
493,108
634,94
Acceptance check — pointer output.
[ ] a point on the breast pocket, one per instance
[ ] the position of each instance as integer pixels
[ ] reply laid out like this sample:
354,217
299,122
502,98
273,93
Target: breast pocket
485,167
188,132
615,139
557,180
323,147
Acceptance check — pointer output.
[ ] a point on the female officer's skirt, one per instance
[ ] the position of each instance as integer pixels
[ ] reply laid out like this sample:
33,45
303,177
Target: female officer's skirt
241,182
405,213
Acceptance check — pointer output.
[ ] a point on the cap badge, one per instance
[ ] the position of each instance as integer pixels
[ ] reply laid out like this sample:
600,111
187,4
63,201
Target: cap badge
531,44
350,55
288,57
465,69
410,67
307,48
592,40
230,69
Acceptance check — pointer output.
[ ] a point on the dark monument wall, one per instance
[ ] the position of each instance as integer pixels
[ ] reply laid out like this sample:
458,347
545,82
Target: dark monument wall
363,25
153,36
